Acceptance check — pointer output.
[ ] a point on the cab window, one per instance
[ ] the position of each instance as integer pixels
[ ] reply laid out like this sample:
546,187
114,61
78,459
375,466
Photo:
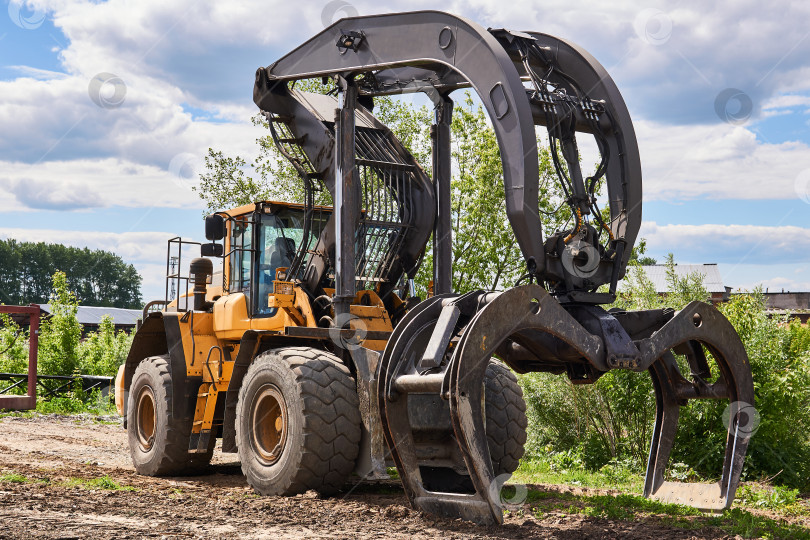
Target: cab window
241,256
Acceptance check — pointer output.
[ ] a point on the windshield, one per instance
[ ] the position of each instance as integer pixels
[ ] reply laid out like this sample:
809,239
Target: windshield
280,237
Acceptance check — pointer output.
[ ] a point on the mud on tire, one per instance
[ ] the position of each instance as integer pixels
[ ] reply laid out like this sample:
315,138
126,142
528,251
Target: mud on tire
158,442
297,422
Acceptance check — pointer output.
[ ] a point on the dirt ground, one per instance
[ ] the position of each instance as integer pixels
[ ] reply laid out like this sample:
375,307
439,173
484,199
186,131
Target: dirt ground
56,453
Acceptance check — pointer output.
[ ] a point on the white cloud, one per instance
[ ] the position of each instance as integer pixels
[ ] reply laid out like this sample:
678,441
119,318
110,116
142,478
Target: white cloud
778,284
186,52
745,276
716,161
787,101
61,151
84,184
35,73
149,127
731,244
131,246
206,47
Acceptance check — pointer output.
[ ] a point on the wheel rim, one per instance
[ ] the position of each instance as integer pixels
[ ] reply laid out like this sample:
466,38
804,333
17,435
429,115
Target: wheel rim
269,424
146,418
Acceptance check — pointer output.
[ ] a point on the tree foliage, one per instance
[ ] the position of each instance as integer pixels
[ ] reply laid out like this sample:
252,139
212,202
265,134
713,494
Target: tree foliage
99,278
485,254
230,181
60,334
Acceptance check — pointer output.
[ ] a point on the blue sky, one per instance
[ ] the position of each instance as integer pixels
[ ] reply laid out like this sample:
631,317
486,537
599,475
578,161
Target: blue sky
720,97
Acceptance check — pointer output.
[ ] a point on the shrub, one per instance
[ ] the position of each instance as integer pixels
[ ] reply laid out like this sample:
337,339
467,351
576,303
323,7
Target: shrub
60,333
102,352
63,352
13,346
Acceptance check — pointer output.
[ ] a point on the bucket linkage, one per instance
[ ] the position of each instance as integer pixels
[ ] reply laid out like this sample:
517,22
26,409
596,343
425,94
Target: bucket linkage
443,347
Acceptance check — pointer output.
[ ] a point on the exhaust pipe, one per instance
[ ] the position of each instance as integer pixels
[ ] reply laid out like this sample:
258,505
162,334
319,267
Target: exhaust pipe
201,269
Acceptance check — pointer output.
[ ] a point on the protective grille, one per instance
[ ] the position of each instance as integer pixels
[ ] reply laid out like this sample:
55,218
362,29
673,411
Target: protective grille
387,181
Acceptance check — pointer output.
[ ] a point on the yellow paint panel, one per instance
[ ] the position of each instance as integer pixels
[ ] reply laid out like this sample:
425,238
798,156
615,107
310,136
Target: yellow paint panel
372,317
198,337
231,317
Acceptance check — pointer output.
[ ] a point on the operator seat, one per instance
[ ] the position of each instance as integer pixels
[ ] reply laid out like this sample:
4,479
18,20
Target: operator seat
280,257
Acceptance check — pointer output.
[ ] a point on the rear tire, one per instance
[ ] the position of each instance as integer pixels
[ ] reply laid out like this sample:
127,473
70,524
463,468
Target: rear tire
158,442
297,422
506,424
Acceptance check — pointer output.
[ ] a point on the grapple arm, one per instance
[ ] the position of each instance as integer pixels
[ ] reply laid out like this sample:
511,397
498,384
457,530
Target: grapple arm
449,52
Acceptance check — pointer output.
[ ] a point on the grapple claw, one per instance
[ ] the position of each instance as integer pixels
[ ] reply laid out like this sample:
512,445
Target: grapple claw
531,331
405,382
696,326
484,322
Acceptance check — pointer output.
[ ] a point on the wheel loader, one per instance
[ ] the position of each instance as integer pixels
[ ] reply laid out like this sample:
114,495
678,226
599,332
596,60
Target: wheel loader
310,356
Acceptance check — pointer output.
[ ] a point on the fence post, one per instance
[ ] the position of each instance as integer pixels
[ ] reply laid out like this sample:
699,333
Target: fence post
21,403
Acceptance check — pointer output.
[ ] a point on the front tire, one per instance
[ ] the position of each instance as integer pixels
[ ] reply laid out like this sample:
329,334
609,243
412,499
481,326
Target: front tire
297,422
158,442
506,418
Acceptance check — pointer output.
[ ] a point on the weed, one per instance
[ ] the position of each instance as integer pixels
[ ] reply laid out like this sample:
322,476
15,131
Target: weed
102,482
774,498
626,507
748,525
13,478
554,469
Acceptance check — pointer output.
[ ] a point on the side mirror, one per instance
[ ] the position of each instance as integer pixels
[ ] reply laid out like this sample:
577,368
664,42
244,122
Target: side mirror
214,227
211,250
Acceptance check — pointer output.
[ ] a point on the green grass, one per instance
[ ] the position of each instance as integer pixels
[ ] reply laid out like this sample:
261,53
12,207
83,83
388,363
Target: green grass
102,482
612,476
13,478
91,404
626,507
17,414
775,498
744,519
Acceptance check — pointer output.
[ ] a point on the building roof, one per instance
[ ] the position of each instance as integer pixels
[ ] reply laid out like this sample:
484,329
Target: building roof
657,274
91,315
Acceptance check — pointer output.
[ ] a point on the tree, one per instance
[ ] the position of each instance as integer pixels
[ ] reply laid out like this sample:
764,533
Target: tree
99,278
638,256
62,351
485,254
